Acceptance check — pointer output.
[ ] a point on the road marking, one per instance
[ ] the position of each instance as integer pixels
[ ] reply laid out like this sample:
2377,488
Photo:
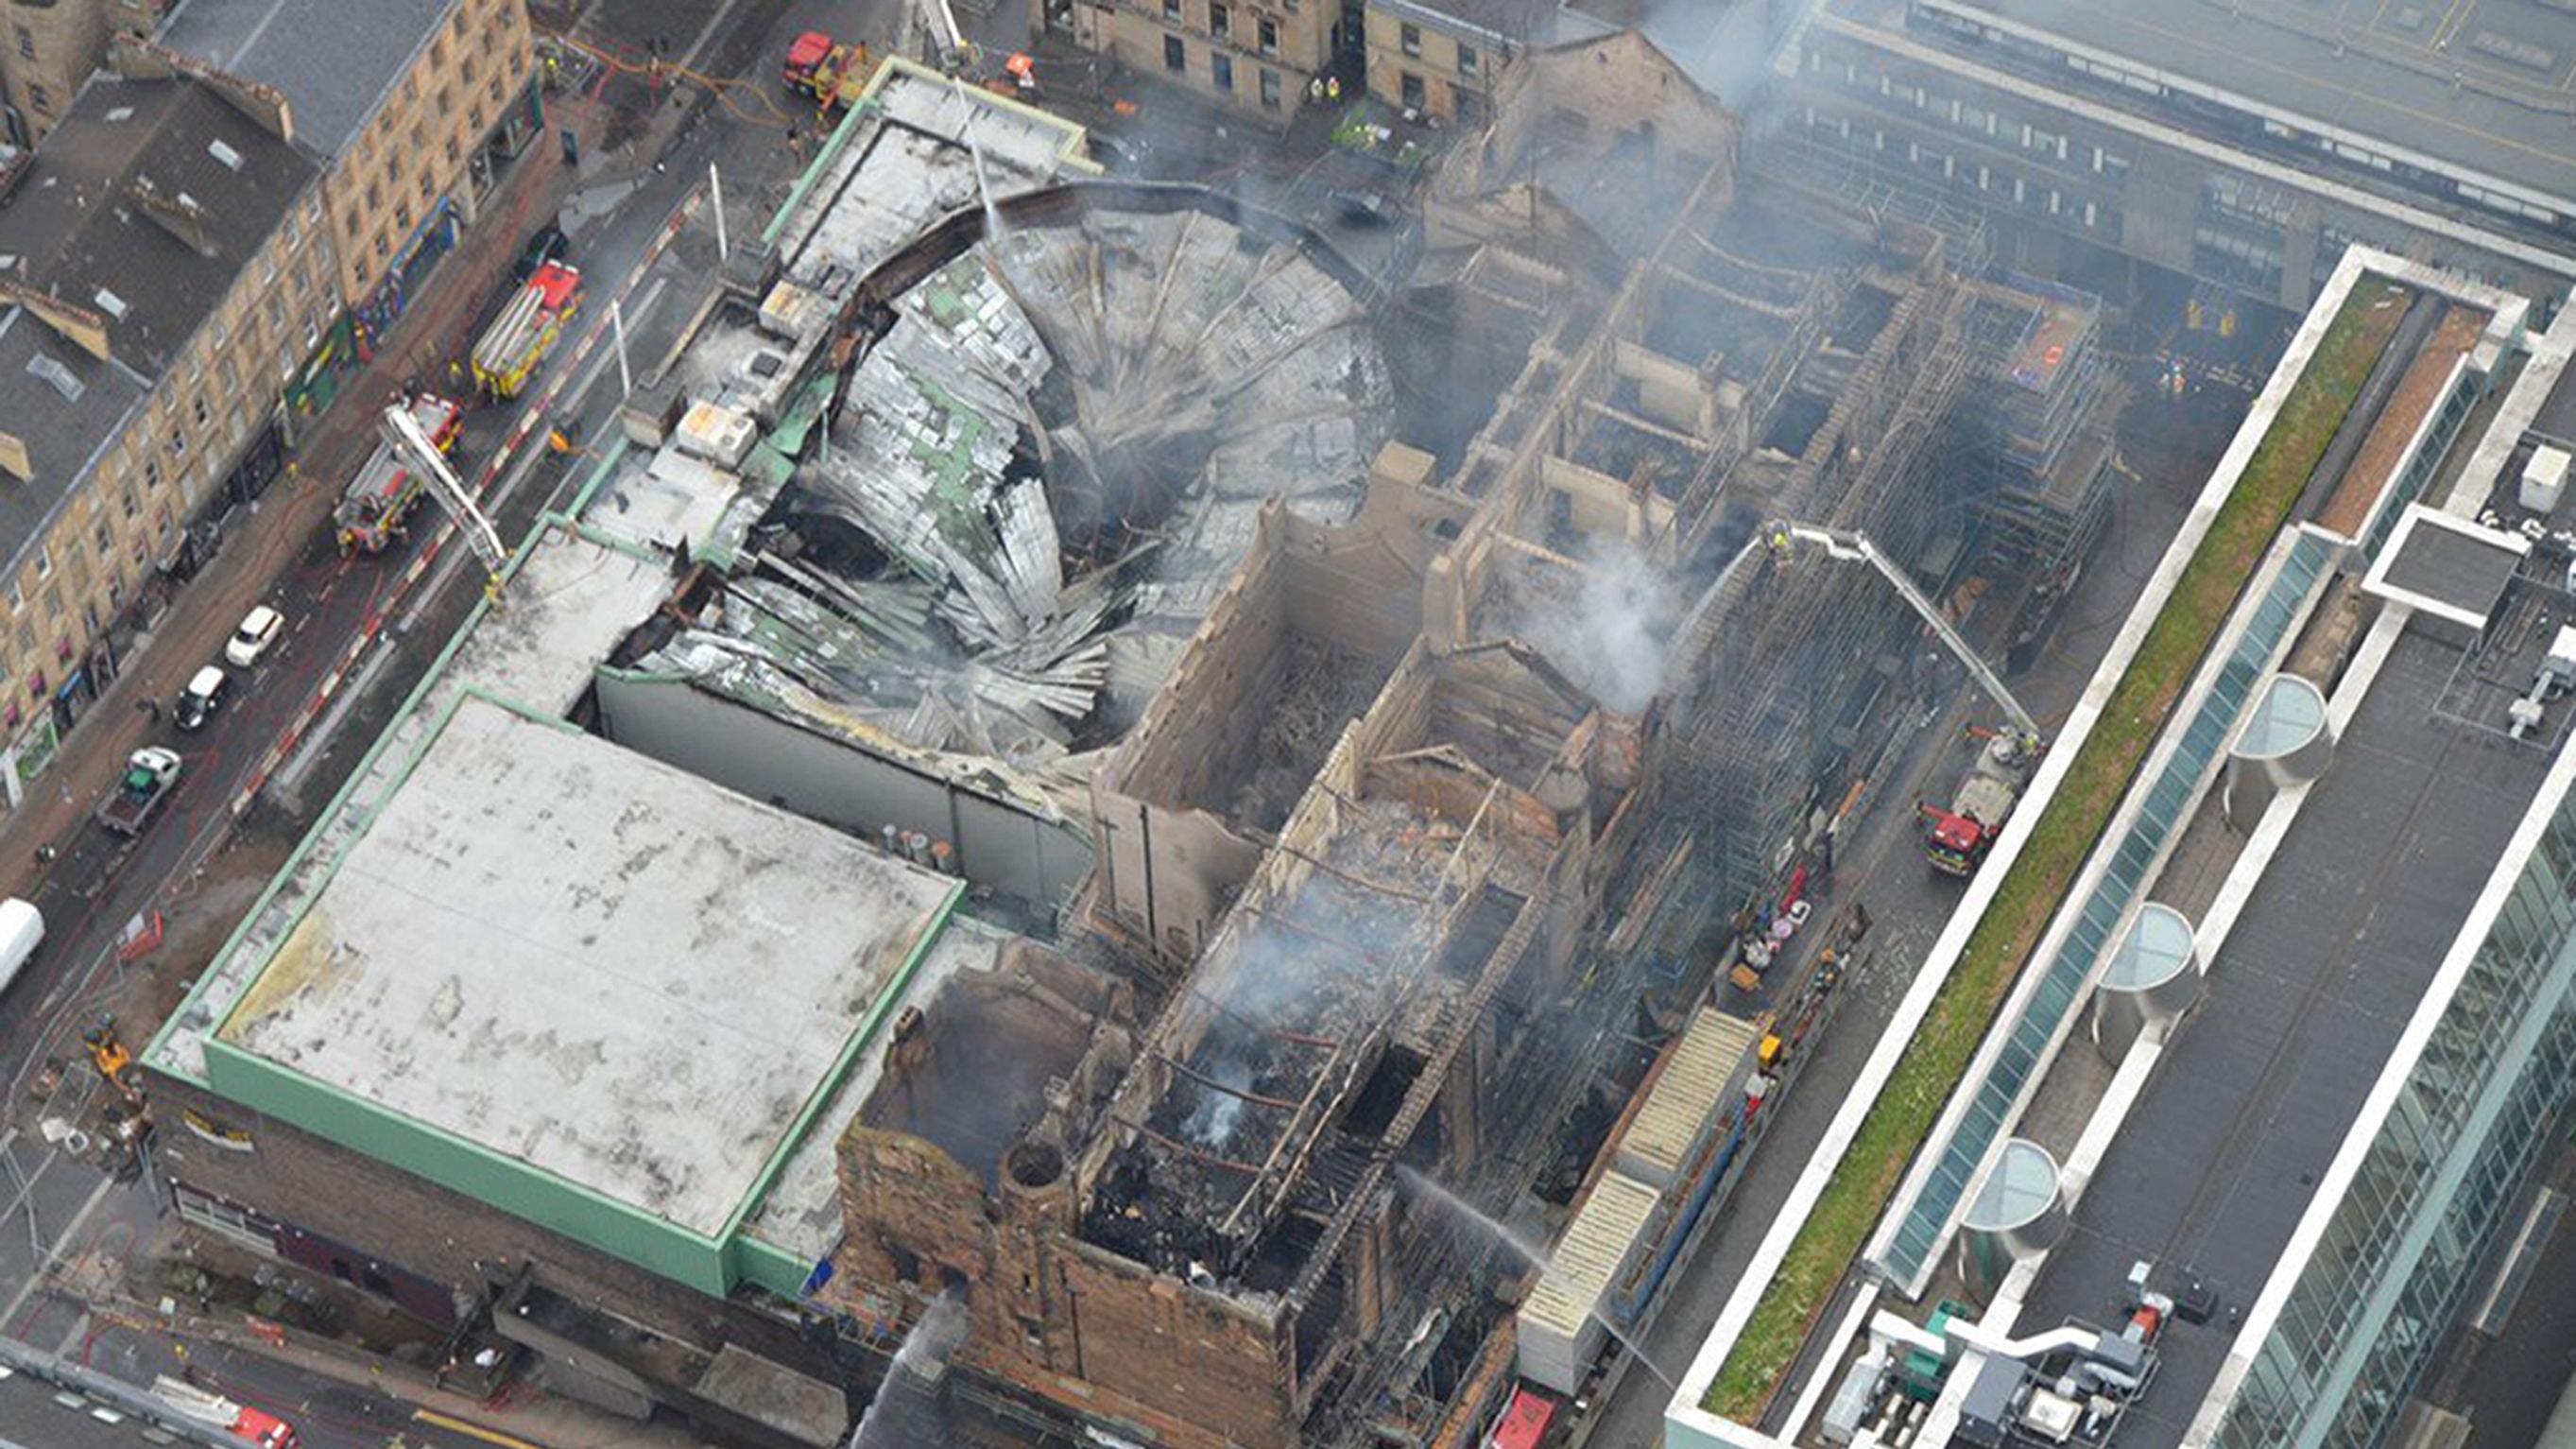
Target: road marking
689,59
589,378
74,1334
564,400
36,1276
499,475
27,1184
472,1430
301,757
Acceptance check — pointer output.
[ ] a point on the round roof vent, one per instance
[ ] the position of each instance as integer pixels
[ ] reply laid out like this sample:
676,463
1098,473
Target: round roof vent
2287,739
2018,1212
2157,946
2153,978
2290,714
2021,1189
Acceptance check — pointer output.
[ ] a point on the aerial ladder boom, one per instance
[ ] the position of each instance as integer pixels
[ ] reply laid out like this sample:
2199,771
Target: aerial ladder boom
938,21
403,433
1854,547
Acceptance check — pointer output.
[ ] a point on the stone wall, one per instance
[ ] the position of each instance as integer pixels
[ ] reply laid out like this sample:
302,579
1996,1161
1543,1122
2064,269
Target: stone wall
1052,1317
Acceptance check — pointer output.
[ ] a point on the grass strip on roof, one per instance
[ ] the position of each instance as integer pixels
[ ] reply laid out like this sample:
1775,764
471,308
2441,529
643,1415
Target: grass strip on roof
1903,1115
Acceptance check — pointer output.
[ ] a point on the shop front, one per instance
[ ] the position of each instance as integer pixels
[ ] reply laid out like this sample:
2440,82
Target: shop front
524,121
259,464
432,240
36,739
320,379
73,697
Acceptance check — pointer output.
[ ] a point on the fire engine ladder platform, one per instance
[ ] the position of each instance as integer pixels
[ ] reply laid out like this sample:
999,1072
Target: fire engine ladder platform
1854,547
513,338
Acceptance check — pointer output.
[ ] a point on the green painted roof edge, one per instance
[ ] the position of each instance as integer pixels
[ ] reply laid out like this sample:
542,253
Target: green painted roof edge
832,145
767,1265
593,534
366,763
859,1037
469,1169
733,1255
286,1094
1071,155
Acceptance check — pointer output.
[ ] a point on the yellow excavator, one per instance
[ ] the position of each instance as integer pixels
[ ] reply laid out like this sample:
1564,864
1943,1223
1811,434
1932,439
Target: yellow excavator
107,1053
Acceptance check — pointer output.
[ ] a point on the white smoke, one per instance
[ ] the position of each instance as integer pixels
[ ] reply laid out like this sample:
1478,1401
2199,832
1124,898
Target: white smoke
941,1329
1614,636
1724,44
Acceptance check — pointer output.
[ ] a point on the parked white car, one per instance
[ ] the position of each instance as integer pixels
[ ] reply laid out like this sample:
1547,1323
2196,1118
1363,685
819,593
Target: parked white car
259,629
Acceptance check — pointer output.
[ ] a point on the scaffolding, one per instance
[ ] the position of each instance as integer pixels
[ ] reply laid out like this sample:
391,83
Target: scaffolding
1856,179
2040,439
1451,1263
1781,669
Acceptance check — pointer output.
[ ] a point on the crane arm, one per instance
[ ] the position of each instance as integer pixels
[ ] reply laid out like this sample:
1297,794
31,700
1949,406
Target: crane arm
403,433
941,21
1853,547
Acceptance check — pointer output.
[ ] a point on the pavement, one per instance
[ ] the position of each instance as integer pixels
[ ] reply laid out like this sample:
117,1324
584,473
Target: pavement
361,631
334,1399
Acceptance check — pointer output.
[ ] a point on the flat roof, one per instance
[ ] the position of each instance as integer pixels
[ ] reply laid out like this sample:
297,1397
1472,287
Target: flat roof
585,581
2452,566
2556,415
575,591
590,963
334,60
802,1213
2463,84
2305,999
883,185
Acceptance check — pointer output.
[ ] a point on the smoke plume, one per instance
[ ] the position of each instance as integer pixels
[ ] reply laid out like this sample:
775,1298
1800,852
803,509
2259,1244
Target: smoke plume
1613,636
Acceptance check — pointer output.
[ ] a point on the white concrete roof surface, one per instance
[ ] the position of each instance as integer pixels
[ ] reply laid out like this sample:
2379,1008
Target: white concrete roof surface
574,956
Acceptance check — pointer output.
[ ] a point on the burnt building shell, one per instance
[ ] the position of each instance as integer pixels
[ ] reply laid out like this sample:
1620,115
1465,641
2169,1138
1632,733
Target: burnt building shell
1377,978
1227,1252
1317,806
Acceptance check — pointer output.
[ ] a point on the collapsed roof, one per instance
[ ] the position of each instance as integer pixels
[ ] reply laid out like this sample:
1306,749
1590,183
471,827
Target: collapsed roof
1039,475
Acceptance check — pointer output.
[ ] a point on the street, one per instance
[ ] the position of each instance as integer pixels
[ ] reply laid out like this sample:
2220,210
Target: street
2168,452
359,632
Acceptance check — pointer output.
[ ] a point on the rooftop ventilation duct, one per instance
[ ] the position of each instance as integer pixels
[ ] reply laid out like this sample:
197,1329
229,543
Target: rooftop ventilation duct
2153,978
2288,739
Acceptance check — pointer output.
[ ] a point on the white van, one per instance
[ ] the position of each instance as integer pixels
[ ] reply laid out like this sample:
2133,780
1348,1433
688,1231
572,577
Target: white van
22,930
